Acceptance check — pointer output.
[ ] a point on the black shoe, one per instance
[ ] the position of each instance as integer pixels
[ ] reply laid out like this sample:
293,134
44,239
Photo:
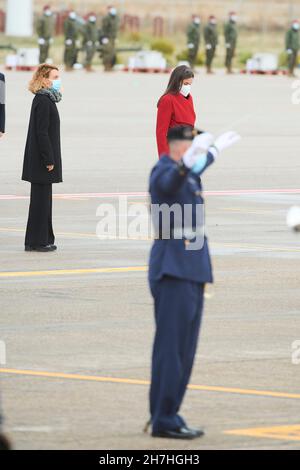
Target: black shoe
180,433
43,248
4,443
198,432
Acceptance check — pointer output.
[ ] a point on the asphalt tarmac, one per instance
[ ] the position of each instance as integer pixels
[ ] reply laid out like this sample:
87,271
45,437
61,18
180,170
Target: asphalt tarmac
77,324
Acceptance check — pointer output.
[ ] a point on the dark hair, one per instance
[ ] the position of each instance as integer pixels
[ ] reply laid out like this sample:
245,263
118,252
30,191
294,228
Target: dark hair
179,74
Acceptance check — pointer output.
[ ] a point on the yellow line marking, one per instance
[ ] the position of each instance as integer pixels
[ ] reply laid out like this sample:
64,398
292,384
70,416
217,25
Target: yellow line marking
94,378
61,375
61,272
248,246
242,391
287,432
216,244
213,244
80,235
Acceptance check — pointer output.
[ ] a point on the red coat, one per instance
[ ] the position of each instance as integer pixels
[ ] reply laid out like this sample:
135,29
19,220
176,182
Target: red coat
173,110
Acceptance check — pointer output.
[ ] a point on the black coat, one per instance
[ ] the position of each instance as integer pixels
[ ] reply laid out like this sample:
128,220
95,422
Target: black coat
2,103
43,143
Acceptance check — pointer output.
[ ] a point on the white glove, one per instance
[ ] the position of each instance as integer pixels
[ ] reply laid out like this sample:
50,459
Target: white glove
51,41
191,45
293,218
89,43
226,140
77,43
41,41
289,51
208,46
69,42
201,144
228,45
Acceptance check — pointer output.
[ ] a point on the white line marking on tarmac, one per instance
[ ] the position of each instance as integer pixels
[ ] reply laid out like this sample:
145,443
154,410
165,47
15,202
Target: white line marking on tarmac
230,192
45,429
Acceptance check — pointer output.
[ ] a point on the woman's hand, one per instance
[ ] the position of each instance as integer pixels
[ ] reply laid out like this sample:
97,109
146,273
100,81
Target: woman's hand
1,134
50,167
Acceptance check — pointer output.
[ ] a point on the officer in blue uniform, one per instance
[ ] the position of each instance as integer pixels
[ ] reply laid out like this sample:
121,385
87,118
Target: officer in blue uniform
179,268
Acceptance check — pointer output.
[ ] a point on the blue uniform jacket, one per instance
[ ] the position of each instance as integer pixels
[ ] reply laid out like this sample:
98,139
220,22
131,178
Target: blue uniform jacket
171,183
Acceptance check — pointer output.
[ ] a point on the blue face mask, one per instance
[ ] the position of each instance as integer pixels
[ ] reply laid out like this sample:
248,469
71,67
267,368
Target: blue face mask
56,85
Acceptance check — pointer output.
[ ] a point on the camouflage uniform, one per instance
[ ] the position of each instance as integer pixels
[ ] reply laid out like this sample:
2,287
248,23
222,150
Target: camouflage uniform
110,27
108,54
230,34
292,44
71,30
90,38
211,41
193,39
45,31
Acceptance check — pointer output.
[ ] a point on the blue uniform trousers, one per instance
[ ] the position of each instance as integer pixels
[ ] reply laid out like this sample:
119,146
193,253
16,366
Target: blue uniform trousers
178,305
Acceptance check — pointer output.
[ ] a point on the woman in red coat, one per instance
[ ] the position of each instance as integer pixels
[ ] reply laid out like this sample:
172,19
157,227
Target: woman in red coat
175,107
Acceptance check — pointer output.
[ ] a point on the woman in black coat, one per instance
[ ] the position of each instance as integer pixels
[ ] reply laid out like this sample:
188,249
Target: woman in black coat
42,160
2,104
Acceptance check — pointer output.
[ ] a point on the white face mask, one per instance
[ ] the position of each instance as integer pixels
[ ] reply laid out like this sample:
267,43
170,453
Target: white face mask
92,19
185,90
113,11
48,12
296,26
72,15
197,20
233,18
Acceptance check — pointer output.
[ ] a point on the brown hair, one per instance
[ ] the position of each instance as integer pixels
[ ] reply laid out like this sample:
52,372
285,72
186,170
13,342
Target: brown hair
40,76
179,74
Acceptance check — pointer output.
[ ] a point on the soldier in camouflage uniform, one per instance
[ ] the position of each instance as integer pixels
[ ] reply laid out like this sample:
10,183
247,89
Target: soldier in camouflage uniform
211,41
193,40
292,44
110,25
71,31
230,35
90,41
45,31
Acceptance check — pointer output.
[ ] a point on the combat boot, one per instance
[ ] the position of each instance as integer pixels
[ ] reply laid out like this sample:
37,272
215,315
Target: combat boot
89,68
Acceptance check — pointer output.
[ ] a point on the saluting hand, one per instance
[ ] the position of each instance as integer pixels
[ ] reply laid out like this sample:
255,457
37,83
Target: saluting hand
200,144
50,167
226,140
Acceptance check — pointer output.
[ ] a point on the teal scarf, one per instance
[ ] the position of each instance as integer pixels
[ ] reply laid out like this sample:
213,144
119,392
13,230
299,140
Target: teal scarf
54,95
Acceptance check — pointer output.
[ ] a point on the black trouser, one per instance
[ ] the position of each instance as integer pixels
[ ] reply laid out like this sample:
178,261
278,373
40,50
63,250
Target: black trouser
39,230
